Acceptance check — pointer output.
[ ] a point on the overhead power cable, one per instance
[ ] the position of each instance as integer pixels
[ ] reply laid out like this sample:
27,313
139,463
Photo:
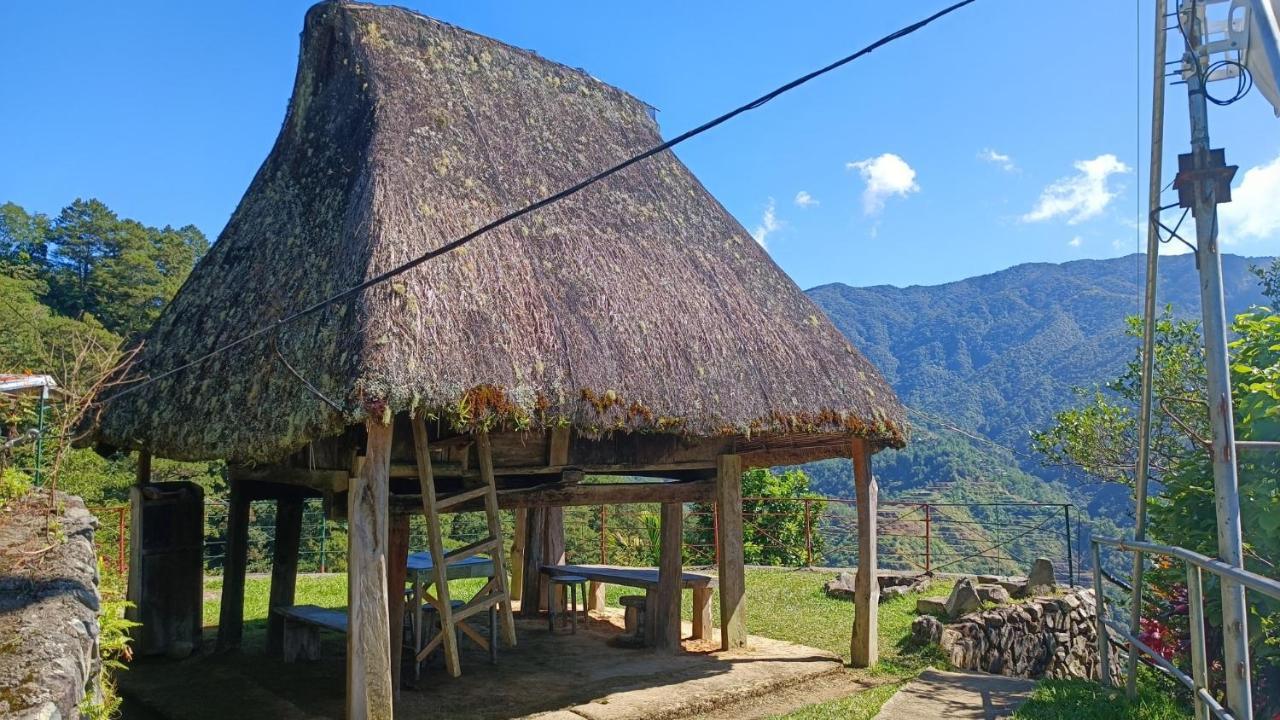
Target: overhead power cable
537,205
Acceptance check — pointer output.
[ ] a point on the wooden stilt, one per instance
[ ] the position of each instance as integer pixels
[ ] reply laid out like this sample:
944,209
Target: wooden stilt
517,554
733,588
552,550
369,694
864,649
666,616
397,567
284,568
234,561
532,597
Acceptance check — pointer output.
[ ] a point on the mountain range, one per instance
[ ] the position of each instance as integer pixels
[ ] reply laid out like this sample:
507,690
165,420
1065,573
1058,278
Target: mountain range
986,360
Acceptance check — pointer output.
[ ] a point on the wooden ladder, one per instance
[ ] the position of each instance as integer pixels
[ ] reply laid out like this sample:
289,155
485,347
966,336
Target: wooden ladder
495,592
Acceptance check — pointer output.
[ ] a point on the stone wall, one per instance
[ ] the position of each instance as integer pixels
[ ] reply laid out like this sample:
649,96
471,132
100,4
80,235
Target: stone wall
49,606
1042,637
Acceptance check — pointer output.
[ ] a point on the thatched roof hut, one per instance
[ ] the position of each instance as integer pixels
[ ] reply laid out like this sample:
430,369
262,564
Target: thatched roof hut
639,304
634,328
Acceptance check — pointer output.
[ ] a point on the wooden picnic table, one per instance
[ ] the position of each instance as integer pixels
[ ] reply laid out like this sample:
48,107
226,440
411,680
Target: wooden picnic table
646,579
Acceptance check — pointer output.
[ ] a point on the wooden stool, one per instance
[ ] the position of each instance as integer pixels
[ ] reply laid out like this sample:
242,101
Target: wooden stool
635,616
569,585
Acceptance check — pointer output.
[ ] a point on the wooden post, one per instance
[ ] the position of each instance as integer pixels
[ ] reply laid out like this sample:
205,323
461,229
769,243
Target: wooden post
864,649
702,613
517,553
234,560
397,567
733,587
284,568
531,598
369,693
553,549
666,616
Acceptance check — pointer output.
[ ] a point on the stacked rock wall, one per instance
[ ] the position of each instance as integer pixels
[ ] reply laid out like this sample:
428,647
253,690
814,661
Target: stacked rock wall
49,605
1043,637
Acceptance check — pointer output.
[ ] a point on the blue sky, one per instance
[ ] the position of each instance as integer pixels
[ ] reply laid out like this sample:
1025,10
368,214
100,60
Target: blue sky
1010,132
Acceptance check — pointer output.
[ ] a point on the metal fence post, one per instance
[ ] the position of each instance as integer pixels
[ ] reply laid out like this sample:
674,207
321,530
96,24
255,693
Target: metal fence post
715,531
1071,563
120,538
1195,619
928,537
1100,606
604,536
808,533
324,527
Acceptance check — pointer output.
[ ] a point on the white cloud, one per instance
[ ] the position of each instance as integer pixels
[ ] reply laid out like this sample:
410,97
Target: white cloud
885,175
1080,196
1254,210
1004,162
768,223
1076,241
805,200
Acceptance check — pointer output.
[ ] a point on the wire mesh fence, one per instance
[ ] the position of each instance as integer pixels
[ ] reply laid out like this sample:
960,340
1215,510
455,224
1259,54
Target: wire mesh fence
971,538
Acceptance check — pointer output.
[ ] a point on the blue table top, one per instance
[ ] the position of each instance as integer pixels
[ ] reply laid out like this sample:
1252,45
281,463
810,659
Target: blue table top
475,566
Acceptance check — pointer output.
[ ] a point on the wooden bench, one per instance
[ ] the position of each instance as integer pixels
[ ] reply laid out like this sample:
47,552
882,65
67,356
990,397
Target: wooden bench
647,580
302,626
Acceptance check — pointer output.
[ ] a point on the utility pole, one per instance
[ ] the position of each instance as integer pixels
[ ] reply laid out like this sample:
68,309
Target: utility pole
1143,468
1203,181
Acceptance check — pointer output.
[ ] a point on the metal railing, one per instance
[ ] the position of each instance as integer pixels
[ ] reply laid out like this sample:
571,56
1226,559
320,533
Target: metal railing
972,538
1198,680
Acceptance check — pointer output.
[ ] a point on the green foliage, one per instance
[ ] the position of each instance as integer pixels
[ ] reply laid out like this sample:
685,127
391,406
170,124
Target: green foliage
1158,699
113,644
93,263
1100,437
14,485
773,510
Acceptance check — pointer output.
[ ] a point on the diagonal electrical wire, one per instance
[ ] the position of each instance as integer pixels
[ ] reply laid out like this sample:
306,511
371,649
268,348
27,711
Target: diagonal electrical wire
548,200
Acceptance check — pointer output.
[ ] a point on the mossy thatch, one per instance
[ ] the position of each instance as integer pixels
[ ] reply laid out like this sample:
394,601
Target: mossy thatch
638,304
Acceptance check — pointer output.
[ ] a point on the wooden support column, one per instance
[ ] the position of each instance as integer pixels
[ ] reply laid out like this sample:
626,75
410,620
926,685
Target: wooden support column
552,549
235,559
666,614
397,567
284,568
517,553
369,694
531,598
733,584
864,649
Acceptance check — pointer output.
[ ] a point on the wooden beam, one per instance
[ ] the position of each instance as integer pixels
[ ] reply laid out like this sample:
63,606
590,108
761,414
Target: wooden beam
864,649
234,561
284,568
732,577
144,468
369,694
530,598
666,616
571,495
397,567
319,480
558,446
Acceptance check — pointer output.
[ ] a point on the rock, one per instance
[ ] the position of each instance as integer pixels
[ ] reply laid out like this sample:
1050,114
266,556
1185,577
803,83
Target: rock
993,594
1017,588
1041,577
931,606
842,587
894,591
964,599
926,630
988,579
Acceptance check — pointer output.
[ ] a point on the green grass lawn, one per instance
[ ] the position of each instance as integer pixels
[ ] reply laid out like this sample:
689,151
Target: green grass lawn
789,605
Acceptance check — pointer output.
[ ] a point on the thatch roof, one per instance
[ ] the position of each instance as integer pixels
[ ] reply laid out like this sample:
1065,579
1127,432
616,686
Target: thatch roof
638,304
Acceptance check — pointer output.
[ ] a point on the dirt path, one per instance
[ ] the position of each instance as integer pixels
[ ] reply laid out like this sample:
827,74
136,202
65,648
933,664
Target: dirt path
964,696
793,697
